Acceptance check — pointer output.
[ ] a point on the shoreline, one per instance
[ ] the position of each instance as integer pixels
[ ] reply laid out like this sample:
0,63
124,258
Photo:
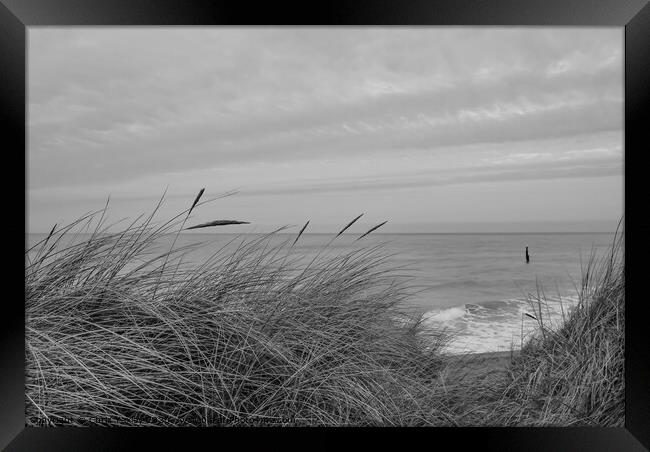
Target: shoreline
478,366
486,355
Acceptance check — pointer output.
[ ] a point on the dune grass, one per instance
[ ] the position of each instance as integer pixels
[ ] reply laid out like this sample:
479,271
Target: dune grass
570,374
121,333
574,375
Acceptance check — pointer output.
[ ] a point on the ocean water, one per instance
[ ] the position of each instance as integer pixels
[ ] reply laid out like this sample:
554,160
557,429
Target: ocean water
473,285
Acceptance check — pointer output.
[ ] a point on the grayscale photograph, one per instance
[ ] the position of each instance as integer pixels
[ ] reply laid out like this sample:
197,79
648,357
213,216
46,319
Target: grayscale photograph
325,226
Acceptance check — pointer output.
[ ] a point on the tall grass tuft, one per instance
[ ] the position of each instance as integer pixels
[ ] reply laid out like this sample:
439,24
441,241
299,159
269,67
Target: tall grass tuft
574,375
251,336
566,375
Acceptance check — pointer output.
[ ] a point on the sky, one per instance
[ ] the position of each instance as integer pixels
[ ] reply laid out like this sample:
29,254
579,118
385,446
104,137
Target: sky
435,129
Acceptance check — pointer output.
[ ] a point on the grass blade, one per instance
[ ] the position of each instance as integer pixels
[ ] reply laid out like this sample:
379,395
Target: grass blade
348,225
372,229
300,233
217,223
196,200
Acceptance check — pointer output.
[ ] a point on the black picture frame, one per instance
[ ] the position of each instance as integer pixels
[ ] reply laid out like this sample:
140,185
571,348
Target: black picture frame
633,15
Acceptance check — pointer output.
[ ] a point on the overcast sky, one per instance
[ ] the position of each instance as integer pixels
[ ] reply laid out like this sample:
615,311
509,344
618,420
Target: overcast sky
433,129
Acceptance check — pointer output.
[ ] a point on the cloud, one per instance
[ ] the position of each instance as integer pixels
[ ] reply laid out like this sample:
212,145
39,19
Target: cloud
111,110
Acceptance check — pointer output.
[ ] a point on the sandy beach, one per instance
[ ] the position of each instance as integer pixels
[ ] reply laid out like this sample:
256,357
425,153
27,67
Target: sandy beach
478,366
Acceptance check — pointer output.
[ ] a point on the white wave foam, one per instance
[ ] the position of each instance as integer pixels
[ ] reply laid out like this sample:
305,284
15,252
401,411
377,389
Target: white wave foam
444,315
477,329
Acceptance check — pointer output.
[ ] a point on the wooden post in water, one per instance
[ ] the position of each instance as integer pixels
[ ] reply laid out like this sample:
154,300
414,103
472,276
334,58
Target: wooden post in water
527,256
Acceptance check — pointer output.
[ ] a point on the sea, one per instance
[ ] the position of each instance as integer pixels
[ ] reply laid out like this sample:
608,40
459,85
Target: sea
477,287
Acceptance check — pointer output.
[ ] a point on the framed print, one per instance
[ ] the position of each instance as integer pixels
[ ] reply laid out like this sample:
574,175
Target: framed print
352,216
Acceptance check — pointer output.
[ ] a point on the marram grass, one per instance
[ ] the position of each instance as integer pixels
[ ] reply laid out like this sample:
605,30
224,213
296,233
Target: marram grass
566,375
574,375
119,335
